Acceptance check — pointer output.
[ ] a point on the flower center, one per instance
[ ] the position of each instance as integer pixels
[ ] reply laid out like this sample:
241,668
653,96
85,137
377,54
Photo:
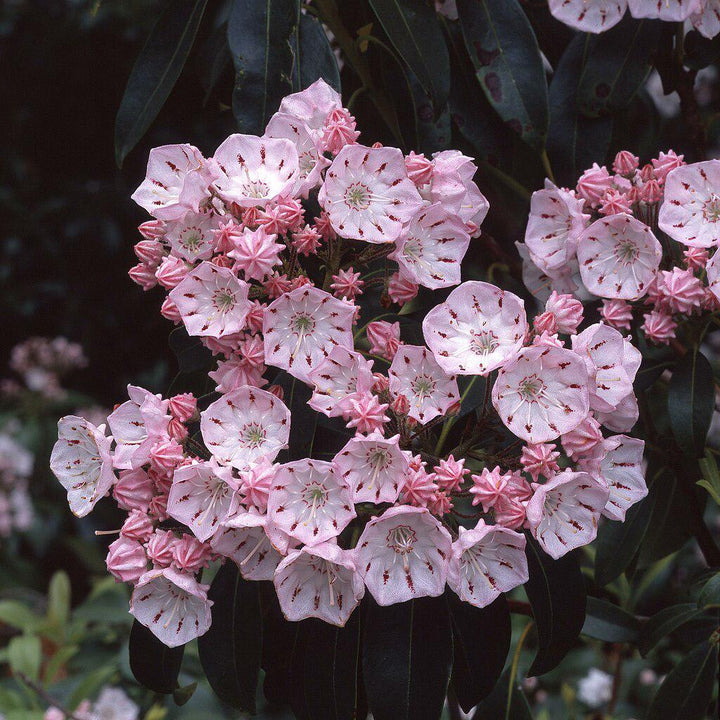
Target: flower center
711,211
191,239
626,252
256,189
357,196
401,539
483,342
530,388
423,386
253,435
223,300
315,495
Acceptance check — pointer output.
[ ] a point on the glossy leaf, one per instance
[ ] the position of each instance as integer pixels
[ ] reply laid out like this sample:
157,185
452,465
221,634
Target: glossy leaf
504,703
691,401
314,57
259,37
574,141
688,688
504,51
415,33
406,658
24,655
608,622
556,590
230,650
154,665
325,670
665,622
617,66
156,71
710,594
700,51
191,354
481,641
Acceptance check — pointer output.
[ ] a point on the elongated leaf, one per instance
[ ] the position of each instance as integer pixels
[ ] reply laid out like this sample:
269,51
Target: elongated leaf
617,66
502,46
406,658
574,141
314,58
710,594
230,650
691,401
556,591
156,71
504,702
325,670
481,640
415,33
687,690
24,654
665,622
154,665
260,40
608,622
191,354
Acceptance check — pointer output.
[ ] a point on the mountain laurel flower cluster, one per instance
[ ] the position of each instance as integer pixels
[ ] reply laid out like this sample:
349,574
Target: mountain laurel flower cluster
297,260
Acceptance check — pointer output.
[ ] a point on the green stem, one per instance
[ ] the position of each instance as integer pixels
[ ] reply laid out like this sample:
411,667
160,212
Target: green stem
546,165
447,425
514,668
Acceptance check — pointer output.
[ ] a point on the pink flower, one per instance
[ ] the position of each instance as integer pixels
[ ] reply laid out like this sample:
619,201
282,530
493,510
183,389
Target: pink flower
312,107
310,501
384,338
556,221
374,467
568,312
594,16
669,10
682,292
617,313
420,486
319,581
192,238
540,459
366,413
307,240
235,372
138,526
212,301
416,375
81,461
255,253
431,247
143,275
619,256
342,374
615,202
245,541
126,560
368,195
172,605
302,327
477,329
152,230
696,258
347,284
486,561
419,168
582,440
245,426
542,393
255,484
133,490
623,417
190,555
706,20
160,548
171,272
183,406
594,182
691,210
659,327
176,181
563,513
255,170
625,163
403,554
339,131
450,473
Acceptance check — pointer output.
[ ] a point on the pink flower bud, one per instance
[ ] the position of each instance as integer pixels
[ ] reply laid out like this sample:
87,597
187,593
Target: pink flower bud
545,323
617,313
659,327
651,192
223,261
170,312
152,229
625,163
166,455
126,560
400,405
384,338
190,554
254,319
138,526
583,439
160,548
277,391
401,289
172,272
667,162
509,513
381,383
183,406
176,430
324,226
419,168
143,275
150,252
696,258
339,131
593,183
133,490
647,173
568,312
158,507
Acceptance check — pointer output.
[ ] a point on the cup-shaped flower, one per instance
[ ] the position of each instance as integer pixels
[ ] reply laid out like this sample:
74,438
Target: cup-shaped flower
312,107
619,257
431,247
593,16
200,497
487,561
172,605
319,581
690,212
342,374
417,376
368,195
374,467
563,513
476,330
81,461
542,394
310,501
668,10
212,301
404,554
191,237
245,426
255,170
713,275
302,327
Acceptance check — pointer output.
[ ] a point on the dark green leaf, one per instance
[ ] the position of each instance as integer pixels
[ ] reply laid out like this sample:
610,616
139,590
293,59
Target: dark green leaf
154,665
183,694
406,658
691,401
481,640
608,622
574,141
687,690
495,706
650,370
314,58
259,37
502,46
700,51
230,650
156,71
279,640
414,31
325,670
665,622
617,66
191,354
710,594
556,591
